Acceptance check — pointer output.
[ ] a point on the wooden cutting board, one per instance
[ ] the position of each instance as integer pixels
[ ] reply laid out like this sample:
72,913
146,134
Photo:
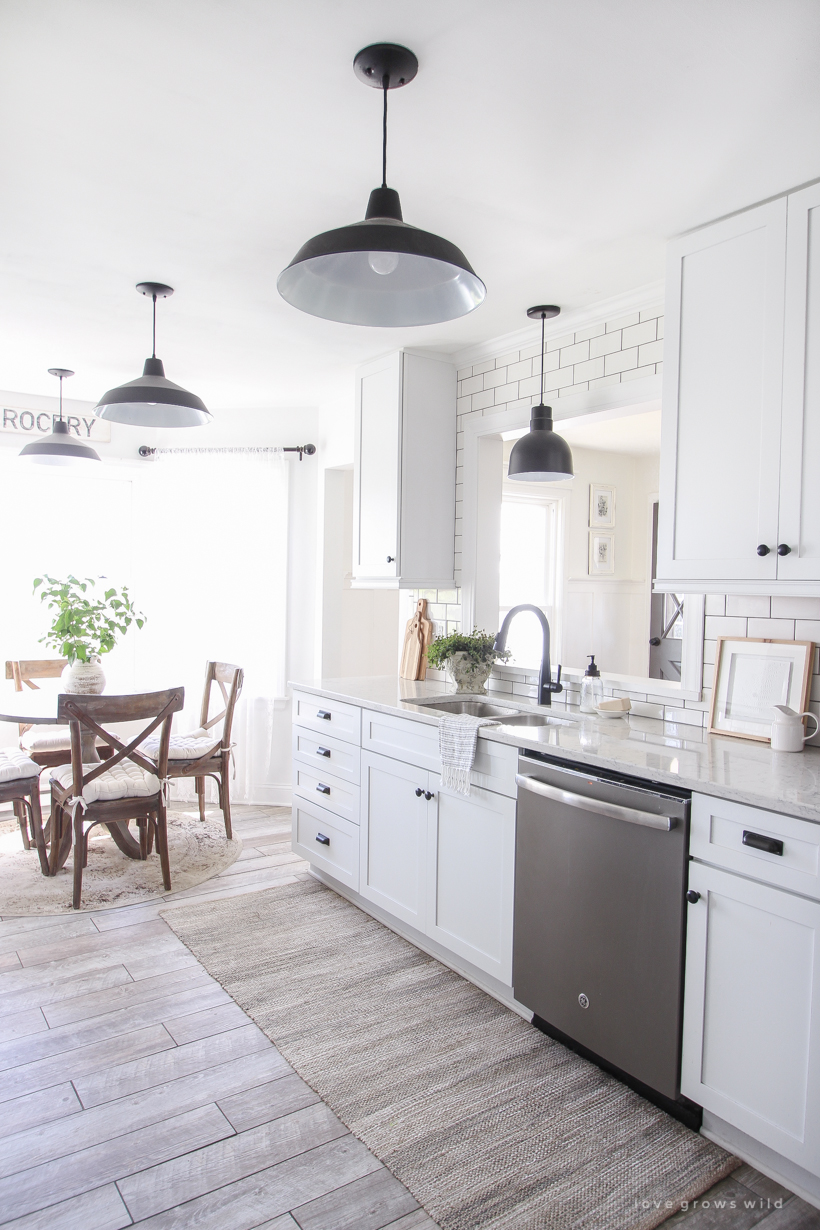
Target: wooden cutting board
417,636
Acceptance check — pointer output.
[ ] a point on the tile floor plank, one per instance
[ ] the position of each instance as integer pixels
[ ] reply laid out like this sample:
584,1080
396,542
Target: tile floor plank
34,1109
9,960
413,1221
79,1172
30,992
63,930
205,1024
150,966
70,967
127,994
264,1102
370,1203
100,1209
185,1178
129,1078
93,942
21,1024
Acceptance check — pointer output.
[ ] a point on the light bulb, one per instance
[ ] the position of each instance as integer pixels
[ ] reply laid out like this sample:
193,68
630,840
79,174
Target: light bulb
383,262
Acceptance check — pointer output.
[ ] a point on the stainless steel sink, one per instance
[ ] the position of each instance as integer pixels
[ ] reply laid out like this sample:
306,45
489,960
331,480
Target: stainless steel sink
533,719
476,708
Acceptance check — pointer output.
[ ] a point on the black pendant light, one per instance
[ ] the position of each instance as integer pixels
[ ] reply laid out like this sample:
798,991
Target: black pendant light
382,271
59,447
541,456
151,400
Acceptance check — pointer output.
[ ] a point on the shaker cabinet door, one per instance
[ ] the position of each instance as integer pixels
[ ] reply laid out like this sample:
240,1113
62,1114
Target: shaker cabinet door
751,1032
393,844
720,444
800,450
376,493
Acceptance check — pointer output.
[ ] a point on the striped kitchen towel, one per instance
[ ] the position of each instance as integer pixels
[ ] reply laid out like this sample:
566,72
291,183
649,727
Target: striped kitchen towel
457,734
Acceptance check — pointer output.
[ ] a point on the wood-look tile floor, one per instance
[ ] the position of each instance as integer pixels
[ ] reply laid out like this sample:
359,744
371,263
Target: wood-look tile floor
134,1091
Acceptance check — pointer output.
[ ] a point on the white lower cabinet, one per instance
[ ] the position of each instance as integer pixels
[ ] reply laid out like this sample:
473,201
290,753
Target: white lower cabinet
393,842
751,1039
326,840
470,876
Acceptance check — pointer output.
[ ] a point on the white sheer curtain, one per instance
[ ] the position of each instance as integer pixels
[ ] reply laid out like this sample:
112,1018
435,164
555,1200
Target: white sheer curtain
210,571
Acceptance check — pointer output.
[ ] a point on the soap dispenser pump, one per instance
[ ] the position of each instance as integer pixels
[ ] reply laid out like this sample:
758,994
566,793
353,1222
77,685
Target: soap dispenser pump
592,687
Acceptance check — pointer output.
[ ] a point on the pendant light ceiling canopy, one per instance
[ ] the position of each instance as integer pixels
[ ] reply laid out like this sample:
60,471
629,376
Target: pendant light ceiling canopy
152,400
60,447
541,456
382,271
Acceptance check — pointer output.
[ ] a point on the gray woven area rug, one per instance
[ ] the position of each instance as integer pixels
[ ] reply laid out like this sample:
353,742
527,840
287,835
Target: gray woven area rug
485,1120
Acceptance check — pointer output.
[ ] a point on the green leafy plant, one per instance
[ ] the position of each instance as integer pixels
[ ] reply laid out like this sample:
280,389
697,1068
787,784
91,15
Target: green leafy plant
477,645
84,625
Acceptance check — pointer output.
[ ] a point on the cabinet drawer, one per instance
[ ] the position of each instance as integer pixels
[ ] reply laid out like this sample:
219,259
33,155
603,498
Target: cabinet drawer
329,717
717,837
326,755
401,739
327,841
329,792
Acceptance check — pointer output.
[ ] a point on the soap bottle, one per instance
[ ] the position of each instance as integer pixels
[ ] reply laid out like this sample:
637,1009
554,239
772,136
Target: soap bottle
592,687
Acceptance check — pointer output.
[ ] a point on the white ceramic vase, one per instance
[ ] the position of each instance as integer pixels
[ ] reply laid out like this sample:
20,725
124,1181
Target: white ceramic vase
84,678
468,675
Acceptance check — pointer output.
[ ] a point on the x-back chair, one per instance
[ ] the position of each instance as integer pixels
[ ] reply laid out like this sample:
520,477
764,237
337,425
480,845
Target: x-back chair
202,753
47,746
127,786
20,785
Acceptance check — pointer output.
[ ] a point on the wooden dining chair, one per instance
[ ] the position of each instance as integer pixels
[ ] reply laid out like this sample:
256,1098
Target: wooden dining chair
201,753
127,786
20,785
49,745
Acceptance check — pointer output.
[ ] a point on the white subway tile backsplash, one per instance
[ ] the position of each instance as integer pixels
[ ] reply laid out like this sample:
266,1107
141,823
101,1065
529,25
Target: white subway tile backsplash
743,604
530,387
473,385
796,608
603,381
483,399
621,360
637,335
650,312
777,629
583,335
715,604
606,344
464,373
574,354
591,370
506,392
572,388
496,377
480,368
519,371
660,327
638,373
505,360
709,652
715,626
807,630
530,352
463,405
623,322
651,352
642,708
683,717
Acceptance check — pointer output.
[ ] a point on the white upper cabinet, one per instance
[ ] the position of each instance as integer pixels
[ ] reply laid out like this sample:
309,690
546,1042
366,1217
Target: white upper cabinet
404,473
722,392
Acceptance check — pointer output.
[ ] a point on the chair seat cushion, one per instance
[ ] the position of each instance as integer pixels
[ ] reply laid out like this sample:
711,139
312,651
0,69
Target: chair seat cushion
14,764
126,780
183,747
48,739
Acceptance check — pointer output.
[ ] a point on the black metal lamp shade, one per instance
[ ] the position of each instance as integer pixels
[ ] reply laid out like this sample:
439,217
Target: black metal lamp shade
540,456
152,401
381,272
59,448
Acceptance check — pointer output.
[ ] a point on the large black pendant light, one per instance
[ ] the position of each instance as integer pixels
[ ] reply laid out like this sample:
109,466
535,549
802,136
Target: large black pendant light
541,456
151,400
382,271
59,447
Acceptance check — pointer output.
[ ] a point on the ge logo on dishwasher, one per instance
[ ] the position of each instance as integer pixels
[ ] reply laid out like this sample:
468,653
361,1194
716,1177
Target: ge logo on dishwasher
583,1000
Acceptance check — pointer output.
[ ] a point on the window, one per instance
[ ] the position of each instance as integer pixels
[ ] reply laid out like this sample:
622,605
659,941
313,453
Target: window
530,571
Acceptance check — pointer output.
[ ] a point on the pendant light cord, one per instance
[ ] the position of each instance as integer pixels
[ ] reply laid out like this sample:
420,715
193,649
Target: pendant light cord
386,87
61,399
154,336
543,318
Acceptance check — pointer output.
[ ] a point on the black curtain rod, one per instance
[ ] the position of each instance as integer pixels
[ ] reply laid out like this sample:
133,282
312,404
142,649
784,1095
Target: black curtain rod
147,451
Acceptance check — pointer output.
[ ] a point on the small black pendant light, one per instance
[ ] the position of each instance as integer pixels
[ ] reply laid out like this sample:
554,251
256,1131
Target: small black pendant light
59,447
382,271
151,400
541,456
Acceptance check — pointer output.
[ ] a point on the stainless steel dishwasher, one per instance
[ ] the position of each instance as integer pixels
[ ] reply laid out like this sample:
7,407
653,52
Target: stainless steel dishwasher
598,942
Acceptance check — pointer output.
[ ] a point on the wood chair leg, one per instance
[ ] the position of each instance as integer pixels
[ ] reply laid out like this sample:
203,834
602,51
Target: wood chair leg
225,800
55,825
143,824
200,794
79,860
37,829
20,813
162,846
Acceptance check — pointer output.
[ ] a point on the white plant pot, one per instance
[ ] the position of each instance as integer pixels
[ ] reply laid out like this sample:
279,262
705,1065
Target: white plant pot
467,675
84,678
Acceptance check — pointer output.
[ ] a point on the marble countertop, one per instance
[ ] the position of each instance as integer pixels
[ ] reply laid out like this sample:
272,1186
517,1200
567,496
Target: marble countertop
683,756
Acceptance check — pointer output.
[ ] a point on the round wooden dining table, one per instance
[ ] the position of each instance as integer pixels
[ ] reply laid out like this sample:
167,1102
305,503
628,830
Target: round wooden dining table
40,708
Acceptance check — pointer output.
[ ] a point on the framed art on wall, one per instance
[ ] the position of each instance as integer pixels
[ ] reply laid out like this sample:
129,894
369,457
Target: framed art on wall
751,677
601,554
601,506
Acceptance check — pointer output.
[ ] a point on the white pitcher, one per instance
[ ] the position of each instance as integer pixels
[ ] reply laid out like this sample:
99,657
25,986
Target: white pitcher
788,733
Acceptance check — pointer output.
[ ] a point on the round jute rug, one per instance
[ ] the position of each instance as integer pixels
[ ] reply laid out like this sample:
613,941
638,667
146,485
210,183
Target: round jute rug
198,851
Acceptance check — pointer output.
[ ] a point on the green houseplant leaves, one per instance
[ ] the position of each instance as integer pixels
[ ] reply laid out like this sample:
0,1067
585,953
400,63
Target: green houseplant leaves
84,624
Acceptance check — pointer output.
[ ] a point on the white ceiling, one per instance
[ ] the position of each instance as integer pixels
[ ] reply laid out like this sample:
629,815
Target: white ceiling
559,143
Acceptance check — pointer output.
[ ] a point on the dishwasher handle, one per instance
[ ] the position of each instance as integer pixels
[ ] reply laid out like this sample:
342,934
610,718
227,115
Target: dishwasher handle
631,815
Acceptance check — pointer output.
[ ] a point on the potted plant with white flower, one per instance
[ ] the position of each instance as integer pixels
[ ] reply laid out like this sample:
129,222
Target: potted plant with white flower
85,625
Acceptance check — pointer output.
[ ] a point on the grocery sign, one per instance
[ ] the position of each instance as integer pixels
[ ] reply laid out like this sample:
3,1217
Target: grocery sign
39,423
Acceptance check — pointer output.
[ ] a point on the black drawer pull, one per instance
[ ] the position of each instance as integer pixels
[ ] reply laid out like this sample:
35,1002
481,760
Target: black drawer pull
323,789
323,751
323,713
759,842
322,840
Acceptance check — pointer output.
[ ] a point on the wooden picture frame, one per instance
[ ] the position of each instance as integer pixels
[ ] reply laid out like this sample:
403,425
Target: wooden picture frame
601,506
752,674
601,553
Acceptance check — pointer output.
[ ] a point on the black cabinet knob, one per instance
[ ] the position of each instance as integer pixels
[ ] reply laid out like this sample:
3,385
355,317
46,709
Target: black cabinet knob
655,640
692,897
419,792
763,549
784,549
428,795
391,559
